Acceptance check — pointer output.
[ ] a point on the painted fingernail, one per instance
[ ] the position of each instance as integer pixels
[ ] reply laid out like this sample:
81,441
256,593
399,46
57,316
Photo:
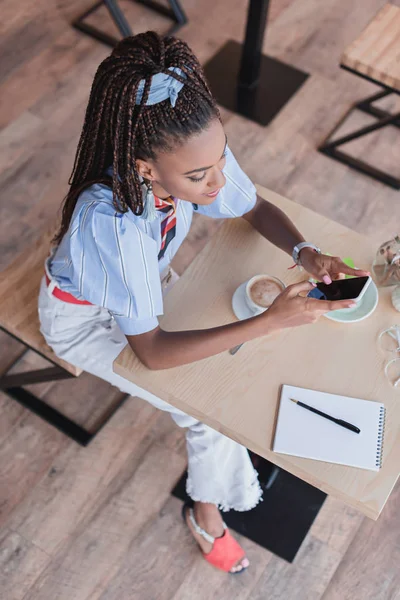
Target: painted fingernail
245,562
313,283
326,279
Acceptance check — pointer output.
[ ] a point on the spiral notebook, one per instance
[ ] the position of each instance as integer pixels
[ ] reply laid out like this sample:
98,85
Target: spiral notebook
300,432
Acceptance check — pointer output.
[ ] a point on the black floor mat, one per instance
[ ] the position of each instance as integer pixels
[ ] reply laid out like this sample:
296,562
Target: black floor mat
281,521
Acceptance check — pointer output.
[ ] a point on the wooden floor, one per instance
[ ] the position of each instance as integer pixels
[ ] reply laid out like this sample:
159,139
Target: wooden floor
99,523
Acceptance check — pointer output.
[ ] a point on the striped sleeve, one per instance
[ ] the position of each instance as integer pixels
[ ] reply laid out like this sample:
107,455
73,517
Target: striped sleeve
115,265
236,198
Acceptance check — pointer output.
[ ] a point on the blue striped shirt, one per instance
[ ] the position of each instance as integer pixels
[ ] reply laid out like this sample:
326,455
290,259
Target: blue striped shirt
111,259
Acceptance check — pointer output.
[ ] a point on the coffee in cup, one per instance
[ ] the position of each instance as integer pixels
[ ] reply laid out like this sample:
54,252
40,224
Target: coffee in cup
261,291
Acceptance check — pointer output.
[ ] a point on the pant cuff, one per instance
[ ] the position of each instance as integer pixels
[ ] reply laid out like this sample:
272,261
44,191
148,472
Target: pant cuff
248,501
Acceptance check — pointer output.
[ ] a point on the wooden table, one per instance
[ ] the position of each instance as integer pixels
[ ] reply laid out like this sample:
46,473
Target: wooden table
375,56
238,395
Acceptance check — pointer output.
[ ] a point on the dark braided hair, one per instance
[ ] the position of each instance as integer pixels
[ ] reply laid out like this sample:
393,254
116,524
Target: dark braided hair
117,131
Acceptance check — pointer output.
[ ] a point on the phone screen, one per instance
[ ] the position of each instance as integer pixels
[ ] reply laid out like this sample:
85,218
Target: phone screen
343,289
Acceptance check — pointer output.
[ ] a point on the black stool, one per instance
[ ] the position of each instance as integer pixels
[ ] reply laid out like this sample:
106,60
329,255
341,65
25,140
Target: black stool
174,12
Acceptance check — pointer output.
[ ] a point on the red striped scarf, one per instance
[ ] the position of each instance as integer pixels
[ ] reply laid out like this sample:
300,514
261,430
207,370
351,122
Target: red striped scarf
168,224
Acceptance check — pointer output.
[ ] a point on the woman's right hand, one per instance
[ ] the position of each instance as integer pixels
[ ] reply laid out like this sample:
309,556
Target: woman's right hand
291,310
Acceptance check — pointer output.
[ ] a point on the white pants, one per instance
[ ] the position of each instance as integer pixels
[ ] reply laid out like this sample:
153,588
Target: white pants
219,470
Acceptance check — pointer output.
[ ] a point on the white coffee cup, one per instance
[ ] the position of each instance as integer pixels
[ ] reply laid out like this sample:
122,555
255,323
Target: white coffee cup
255,308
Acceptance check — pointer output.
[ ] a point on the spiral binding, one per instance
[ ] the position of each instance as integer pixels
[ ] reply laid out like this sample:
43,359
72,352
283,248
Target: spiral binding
381,433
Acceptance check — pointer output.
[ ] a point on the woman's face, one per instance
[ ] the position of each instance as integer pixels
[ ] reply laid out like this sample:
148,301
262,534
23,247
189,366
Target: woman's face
193,172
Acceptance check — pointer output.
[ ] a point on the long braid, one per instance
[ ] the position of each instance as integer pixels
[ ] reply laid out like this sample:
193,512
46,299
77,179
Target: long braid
116,131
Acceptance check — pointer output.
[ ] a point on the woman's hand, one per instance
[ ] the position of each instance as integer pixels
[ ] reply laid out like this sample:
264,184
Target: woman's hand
326,268
291,310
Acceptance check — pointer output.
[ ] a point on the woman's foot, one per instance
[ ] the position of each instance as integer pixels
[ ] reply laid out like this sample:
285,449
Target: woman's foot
209,518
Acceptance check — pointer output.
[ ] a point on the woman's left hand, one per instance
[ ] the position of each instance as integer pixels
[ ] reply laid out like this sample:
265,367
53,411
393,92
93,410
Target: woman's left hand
327,268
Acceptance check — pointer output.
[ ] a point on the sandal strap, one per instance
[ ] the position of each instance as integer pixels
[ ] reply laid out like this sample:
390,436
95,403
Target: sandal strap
201,531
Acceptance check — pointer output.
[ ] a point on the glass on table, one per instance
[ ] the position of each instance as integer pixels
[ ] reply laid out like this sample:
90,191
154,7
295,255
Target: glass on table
392,372
389,340
389,343
386,266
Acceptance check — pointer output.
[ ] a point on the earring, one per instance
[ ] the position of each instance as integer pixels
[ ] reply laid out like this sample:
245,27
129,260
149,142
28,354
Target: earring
149,208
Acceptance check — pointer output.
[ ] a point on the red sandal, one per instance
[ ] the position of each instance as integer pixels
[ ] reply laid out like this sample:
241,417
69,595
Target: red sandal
226,551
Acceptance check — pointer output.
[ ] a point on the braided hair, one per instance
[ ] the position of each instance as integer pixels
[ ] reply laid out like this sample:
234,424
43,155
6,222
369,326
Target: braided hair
117,131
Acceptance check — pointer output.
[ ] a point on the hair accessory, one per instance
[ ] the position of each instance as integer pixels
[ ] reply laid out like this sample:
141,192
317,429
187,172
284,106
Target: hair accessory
162,87
149,208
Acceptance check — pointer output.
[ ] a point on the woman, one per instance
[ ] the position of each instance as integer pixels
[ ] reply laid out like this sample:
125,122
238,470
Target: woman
153,150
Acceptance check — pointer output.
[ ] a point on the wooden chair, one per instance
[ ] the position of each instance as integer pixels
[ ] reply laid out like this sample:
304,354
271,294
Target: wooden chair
19,289
375,56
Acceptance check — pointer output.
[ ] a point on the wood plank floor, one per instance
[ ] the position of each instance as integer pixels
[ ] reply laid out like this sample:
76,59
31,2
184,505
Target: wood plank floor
99,523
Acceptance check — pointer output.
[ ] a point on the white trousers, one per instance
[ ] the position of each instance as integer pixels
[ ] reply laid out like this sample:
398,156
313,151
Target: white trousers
219,469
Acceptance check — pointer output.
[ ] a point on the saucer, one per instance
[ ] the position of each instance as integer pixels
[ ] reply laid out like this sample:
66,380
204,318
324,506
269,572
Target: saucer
364,309
239,305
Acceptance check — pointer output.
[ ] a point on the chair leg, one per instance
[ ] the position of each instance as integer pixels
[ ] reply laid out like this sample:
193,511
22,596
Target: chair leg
330,148
175,12
118,17
50,415
12,386
271,479
29,377
366,106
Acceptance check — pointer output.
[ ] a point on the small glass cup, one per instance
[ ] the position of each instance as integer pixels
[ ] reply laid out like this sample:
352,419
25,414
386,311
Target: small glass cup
392,372
389,344
389,340
386,266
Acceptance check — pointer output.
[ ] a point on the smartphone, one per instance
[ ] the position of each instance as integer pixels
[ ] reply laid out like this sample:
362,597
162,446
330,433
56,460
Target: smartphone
342,289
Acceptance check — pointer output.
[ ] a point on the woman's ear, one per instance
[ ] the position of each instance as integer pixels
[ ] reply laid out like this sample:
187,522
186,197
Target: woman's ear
145,169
